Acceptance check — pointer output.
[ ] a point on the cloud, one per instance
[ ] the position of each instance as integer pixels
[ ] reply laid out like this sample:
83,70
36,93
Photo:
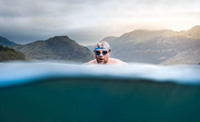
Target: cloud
88,21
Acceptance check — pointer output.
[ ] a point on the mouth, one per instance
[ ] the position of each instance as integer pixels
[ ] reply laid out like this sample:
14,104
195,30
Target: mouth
101,59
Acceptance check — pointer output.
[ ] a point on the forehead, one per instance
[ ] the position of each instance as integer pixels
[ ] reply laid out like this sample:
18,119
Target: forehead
101,50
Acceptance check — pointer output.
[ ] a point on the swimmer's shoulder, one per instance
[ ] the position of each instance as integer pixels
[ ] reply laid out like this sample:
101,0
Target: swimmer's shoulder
116,61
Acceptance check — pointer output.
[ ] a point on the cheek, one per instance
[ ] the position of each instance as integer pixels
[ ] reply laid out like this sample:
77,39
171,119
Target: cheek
97,56
106,56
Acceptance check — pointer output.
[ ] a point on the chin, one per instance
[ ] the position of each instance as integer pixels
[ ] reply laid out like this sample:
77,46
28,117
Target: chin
101,62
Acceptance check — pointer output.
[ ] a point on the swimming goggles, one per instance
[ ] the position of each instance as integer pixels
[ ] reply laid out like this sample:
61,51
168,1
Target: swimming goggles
104,52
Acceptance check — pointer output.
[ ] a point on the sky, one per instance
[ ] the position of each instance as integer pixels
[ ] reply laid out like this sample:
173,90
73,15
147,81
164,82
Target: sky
88,21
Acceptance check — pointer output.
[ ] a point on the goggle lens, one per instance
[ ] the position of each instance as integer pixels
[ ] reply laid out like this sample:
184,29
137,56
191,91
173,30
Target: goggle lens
105,52
97,52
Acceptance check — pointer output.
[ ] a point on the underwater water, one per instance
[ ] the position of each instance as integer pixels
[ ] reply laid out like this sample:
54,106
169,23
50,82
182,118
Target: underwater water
59,91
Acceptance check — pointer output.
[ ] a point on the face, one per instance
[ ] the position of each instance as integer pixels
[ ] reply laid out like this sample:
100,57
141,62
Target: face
102,58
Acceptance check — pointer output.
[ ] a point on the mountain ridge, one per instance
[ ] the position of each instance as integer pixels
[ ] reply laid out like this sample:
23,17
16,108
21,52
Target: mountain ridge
164,47
194,32
5,42
55,48
155,46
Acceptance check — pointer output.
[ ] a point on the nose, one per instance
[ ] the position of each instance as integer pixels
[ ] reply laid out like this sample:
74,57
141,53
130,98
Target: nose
101,54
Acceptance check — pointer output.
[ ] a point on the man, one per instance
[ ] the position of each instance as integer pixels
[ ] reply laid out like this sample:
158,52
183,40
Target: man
102,54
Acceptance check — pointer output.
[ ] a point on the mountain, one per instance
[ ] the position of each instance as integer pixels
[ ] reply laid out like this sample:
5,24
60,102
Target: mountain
157,46
6,42
7,54
110,38
192,33
56,48
91,47
186,57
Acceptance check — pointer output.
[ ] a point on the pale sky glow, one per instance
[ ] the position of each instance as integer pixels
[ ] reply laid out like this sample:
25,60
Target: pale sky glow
89,21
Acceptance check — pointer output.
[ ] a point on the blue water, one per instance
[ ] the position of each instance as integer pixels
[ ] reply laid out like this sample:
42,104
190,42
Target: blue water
60,91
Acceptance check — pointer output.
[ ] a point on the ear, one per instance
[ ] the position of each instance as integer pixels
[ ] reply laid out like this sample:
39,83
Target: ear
109,52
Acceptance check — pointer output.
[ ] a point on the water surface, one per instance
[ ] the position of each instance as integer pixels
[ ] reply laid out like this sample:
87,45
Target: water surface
59,91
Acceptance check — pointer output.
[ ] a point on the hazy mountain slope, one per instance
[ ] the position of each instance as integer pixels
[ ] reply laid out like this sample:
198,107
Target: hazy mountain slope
109,38
6,42
155,47
7,54
186,57
56,48
192,33
144,46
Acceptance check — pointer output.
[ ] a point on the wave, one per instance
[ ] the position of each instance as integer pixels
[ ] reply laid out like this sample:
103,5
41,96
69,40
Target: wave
12,73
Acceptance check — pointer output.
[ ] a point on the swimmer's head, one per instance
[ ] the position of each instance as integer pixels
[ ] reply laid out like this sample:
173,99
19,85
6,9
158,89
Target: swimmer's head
102,52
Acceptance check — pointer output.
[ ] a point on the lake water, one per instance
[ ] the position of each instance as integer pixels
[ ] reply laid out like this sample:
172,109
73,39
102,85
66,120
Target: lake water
60,91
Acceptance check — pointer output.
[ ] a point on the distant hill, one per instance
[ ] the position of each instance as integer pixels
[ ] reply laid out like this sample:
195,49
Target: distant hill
190,56
192,33
6,42
158,47
110,38
56,48
7,54
164,47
